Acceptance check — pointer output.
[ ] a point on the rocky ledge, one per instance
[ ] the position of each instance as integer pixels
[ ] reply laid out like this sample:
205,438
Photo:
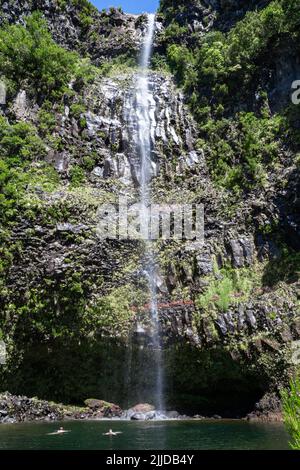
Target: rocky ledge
268,409
20,409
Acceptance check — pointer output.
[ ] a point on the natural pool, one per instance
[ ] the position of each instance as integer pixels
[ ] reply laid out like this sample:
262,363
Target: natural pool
155,435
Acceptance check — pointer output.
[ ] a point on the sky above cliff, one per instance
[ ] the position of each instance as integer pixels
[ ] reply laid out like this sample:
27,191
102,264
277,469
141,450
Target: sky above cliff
129,6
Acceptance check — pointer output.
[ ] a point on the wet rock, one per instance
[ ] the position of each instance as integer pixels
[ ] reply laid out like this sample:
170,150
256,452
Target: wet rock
221,324
66,227
114,117
21,107
142,408
242,252
21,409
107,410
172,414
141,412
251,320
138,416
204,263
267,409
93,403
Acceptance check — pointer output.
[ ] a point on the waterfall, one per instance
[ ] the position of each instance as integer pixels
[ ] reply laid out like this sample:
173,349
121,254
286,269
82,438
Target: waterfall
144,111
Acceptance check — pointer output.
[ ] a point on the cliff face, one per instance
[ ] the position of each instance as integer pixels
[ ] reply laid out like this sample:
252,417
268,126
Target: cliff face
74,307
80,26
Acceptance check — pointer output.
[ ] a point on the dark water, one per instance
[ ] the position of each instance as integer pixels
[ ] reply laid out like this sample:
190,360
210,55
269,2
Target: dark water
170,435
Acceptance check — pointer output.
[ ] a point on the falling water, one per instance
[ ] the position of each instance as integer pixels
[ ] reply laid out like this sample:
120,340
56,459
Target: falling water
144,108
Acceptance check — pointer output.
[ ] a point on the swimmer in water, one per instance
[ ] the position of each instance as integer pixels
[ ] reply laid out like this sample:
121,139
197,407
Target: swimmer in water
61,430
111,433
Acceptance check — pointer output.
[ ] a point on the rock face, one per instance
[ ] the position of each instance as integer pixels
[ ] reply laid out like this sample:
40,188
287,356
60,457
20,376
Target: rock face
143,408
267,409
80,26
20,409
142,412
201,16
108,410
113,115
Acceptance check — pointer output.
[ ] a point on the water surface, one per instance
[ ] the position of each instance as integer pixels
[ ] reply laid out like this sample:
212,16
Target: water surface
164,435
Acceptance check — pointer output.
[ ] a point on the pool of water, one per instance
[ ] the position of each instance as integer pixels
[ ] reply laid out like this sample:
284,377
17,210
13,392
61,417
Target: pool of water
163,435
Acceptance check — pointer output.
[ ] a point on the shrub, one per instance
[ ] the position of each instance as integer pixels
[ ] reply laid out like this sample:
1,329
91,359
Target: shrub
230,286
180,60
239,151
29,53
77,109
19,146
77,176
291,411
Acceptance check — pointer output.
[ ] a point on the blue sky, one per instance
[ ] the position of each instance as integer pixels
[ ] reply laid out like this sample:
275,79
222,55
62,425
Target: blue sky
129,6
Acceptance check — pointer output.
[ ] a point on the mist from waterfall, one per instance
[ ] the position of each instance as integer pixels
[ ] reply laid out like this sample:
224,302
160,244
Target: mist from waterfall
145,107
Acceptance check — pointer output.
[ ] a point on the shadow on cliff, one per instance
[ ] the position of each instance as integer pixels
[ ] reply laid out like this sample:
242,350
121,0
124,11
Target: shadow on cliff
205,382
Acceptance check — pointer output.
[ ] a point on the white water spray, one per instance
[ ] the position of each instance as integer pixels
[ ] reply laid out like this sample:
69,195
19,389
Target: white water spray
144,109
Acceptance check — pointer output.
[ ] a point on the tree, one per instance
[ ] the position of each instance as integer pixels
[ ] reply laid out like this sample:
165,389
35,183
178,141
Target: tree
29,53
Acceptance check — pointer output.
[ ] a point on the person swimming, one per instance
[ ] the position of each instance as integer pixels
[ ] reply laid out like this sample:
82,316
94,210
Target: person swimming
61,430
111,433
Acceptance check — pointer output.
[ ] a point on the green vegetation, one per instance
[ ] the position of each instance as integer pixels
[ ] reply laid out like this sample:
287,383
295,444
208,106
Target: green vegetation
77,176
240,152
219,74
47,120
19,147
29,53
113,311
120,64
22,171
228,287
86,10
291,412
284,269
29,56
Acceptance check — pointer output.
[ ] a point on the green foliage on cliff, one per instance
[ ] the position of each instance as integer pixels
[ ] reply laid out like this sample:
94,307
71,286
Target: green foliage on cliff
291,412
85,8
240,152
19,146
111,312
241,139
230,59
30,57
228,287
29,53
